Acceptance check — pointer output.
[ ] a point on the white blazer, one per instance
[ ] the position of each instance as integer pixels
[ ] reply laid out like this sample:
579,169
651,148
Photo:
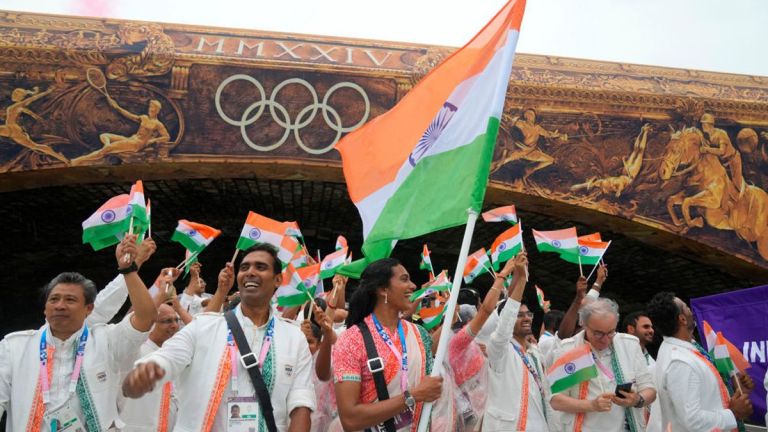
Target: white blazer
109,353
689,392
191,359
505,380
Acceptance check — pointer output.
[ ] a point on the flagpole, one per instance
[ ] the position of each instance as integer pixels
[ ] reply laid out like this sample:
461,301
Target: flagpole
601,260
191,257
522,244
445,335
234,257
581,270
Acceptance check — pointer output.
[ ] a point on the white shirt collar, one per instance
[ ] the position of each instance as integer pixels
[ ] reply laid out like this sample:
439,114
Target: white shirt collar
679,342
246,322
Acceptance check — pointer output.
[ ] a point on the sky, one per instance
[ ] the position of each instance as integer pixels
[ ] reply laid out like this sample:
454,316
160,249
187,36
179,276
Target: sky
713,35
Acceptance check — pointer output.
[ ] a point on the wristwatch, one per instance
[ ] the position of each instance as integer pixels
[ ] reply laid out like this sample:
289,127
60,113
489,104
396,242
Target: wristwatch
130,269
640,401
410,402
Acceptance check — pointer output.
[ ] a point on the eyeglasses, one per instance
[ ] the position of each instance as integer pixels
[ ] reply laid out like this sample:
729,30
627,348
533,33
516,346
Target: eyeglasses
525,315
600,335
170,321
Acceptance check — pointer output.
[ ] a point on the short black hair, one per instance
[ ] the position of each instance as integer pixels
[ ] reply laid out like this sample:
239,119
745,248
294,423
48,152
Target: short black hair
468,296
663,312
553,318
631,319
89,288
277,265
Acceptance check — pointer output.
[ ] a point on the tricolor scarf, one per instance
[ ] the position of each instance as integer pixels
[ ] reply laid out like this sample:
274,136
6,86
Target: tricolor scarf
223,375
725,387
37,412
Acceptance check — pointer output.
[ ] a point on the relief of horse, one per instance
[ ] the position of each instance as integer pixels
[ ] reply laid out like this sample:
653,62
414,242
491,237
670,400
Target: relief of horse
714,195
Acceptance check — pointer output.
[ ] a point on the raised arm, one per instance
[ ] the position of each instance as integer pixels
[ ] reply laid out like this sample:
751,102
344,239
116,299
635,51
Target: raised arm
497,348
491,298
571,317
127,114
143,306
225,283
323,360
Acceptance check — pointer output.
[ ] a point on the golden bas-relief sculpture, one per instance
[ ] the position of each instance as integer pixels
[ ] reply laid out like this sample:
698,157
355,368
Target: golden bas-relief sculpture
674,150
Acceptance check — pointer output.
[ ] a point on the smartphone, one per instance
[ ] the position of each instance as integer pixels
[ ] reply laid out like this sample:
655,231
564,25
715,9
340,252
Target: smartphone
627,387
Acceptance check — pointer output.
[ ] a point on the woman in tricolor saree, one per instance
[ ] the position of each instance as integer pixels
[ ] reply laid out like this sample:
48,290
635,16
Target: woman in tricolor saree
404,348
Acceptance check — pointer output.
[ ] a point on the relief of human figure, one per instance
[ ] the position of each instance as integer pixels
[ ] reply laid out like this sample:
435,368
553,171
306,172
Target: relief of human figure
719,144
527,149
151,131
632,165
12,130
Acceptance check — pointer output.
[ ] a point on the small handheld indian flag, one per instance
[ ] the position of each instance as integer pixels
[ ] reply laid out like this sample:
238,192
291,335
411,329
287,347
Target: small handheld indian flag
560,241
711,338
107,225
299,259
477,264
501,214
292,229
332,262
432,316
506,246
139,208
194,236
299,285
261,229
540,297
572,368
589,252
441,283
426,261
722,358
341,242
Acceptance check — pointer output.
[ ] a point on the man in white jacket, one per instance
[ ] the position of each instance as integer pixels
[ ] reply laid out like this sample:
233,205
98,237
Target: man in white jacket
517,387
692,395
206,366
592,405
69,370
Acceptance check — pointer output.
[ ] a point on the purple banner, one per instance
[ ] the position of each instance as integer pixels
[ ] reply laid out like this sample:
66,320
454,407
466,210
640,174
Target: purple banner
742,317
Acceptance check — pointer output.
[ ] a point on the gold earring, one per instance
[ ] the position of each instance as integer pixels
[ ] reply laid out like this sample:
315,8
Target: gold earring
386,298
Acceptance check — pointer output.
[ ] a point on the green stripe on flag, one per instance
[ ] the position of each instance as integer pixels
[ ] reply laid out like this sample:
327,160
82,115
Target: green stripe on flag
448,182
186,241
575,378
294,299
243,243
585,259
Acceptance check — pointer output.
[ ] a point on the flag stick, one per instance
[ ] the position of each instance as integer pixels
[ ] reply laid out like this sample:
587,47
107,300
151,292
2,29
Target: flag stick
522,245
312,305
168,284
442,347
234,257
581,270
191,257
738,384
601,260
490,269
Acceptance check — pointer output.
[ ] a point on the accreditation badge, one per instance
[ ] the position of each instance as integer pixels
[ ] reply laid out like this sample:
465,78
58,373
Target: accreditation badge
243,414
63,419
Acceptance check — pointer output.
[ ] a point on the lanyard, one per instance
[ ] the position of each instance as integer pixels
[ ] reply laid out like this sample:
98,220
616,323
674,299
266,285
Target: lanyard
528,364
46,355
402,357
234,355
602,367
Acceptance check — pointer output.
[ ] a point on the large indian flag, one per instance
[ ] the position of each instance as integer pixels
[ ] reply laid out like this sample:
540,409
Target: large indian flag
418,168
572,368
107,225
560,241
506,246
194,236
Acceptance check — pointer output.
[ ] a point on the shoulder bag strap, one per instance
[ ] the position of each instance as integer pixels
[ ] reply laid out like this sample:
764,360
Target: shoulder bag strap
376,366
251,363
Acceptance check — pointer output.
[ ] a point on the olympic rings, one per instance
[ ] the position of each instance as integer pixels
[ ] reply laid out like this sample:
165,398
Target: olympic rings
280,115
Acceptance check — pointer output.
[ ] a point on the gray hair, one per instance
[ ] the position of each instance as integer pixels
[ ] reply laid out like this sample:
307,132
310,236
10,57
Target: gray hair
601,306
89,288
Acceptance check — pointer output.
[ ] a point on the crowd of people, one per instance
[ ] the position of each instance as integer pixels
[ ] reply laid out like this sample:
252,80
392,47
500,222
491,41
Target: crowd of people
233,361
